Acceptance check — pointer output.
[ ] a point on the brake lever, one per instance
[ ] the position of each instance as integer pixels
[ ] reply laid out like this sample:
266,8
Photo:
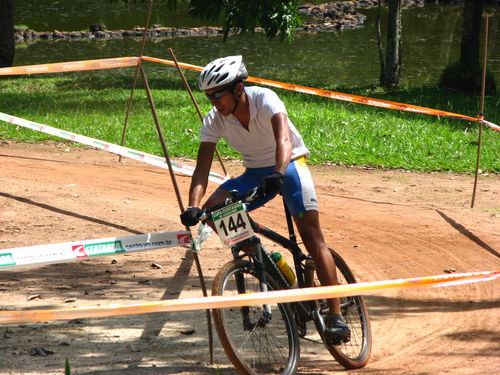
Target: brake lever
203,216
255,195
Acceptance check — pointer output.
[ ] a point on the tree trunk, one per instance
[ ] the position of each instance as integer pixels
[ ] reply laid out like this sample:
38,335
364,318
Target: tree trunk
7,43
379,43
393,53
466,74
471,32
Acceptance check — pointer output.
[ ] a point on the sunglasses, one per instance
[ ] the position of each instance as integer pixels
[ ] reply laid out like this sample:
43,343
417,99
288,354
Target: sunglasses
217,94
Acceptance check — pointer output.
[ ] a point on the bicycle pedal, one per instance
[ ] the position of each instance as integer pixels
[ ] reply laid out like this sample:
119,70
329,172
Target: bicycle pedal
301,328
338,339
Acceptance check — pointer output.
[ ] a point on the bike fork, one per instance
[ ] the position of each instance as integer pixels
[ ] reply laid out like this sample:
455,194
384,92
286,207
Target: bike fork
240,284
259,268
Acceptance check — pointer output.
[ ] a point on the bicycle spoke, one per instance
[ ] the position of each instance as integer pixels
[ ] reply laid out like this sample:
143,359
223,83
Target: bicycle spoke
265,344
356,352
254,342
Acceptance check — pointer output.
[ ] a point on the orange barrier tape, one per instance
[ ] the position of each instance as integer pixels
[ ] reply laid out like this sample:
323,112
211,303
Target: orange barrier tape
360,99
340,96
169,62
132,61
71,66
214,302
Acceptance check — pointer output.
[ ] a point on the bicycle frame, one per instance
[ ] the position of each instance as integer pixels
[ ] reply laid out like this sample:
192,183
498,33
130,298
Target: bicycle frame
289,243
305,309
254,265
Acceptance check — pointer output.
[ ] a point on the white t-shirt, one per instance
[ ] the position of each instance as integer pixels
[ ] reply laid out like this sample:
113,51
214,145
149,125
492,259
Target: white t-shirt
257,144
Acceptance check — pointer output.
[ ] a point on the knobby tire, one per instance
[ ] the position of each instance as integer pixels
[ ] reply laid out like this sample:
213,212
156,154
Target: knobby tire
355,353
263,347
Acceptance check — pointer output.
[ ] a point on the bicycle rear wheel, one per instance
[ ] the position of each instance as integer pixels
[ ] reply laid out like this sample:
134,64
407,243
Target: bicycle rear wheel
254,342
355,353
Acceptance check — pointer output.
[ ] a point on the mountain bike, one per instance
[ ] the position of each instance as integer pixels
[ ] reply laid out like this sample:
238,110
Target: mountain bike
265,339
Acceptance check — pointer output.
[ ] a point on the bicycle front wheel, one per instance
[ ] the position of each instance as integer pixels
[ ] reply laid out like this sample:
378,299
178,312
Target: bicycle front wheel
257,339
355,353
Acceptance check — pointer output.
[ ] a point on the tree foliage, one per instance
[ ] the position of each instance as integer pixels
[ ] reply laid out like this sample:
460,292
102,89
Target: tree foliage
275,17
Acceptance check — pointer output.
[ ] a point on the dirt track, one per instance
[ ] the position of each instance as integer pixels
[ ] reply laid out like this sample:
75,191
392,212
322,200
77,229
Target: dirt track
387,224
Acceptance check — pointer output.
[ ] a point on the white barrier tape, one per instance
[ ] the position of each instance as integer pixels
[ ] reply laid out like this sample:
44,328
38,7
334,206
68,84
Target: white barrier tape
215,302
111,147
78,250
491,125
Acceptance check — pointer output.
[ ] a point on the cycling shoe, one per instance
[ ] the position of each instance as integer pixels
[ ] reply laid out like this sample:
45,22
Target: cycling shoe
336,331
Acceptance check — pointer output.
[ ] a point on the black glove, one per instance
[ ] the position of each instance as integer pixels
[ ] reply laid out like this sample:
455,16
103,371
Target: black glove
271,184
191,216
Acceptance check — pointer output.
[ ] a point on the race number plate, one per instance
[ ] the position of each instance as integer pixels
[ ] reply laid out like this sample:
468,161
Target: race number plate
232,224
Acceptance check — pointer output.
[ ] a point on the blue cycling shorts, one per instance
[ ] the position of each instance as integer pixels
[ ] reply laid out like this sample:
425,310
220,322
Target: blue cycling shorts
298,187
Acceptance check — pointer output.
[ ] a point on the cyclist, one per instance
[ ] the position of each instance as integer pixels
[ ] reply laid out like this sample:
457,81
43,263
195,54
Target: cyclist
255,123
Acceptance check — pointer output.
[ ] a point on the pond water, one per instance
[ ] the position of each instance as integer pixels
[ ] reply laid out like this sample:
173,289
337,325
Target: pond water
431,40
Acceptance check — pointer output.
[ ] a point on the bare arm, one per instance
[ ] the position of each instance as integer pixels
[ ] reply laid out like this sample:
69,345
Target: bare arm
199,180
282,137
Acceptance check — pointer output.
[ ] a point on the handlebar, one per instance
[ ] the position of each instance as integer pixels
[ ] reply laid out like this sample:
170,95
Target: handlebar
246,197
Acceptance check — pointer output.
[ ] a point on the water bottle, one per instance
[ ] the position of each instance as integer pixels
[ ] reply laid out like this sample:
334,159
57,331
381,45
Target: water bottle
204,232
284,267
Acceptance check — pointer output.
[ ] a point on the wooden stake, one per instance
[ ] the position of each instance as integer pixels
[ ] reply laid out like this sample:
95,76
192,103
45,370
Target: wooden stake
134,82
179,200
140,69
481,112
186,84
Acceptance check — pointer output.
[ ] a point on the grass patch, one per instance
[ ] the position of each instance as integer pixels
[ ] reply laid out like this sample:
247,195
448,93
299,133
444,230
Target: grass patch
94,104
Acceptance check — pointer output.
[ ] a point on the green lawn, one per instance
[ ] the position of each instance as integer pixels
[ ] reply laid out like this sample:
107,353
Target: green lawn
94,104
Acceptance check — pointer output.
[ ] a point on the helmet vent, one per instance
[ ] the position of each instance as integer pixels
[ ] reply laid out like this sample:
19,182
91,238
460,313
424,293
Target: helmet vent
208,72
222,77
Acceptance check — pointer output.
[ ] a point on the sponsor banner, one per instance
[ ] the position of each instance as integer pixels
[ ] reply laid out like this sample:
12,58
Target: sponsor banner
111,147
77,250
341,96
248,299
71,66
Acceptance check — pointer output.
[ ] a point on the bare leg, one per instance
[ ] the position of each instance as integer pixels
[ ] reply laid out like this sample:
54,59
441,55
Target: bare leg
336,331
217,196
311,234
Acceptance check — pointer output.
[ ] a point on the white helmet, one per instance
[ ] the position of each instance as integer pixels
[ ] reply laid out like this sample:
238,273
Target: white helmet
221,72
